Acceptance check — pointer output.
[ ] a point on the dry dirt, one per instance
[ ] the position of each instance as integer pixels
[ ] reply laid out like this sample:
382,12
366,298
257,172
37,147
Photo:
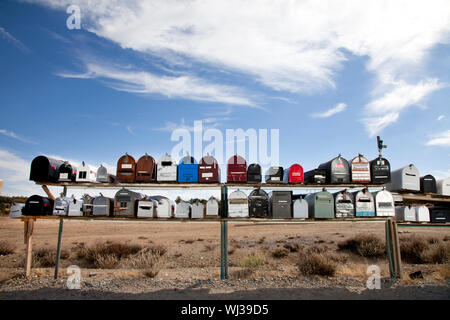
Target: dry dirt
191,266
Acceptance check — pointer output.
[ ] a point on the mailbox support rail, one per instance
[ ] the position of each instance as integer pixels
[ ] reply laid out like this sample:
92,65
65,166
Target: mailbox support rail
393,249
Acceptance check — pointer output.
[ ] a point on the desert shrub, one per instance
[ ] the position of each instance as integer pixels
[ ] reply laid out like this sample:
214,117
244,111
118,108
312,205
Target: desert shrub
107,255
365,245
146,260
437,253
231,250
292,247
158,249
316,264
338,258
46,257
253,261
411,249
6,248
280,253
317,249
432,240
241,274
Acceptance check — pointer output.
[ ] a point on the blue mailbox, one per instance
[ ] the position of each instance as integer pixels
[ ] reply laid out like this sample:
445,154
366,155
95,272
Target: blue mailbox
188,170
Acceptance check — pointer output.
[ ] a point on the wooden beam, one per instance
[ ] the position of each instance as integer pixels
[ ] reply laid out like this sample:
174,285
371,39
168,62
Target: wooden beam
48,192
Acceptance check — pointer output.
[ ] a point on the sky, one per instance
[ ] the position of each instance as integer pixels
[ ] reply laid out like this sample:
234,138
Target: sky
329,76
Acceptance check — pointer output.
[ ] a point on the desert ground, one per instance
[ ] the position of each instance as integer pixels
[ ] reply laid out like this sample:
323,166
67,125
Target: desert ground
181,260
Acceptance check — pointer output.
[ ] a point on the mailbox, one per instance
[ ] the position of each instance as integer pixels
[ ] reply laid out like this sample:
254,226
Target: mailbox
45,169
380,171
38,206
61,206
275,174
188,169
406,178
167,169
75,207
165,207
337,170
293,174
405,213
258,203
147,208
300,208
126,169
422,214
320,204
315,176
146,169
198,210
236,169
280,204
126,203
183,210
384,204
428,184
212,207
237,204
86,173
67,173
344,204
364,203
103,206
104,176
443,187
208,170
16,210
254,173
360,169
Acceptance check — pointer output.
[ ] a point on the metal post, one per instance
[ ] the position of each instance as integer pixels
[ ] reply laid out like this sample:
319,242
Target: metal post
224,234
58,246
388,249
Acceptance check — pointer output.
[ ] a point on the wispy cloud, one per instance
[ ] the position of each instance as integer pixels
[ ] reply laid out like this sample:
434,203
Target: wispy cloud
186,86
207,123
440,139
441,117
291,46
15,136
336,109
6,35
386,108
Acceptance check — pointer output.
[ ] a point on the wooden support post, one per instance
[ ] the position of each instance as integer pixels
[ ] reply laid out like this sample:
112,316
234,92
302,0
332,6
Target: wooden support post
28,239
393,249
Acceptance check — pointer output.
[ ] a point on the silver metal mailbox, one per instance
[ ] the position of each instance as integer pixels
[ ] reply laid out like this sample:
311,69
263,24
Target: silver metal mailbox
344,204
406,178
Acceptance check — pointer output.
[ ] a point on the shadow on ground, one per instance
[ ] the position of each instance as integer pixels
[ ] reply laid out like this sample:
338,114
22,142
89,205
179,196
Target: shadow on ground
427,293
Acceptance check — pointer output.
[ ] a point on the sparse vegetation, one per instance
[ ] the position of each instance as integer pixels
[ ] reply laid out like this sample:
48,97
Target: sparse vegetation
280,253
418,250
365,245
316,264
6,248
292,246
253,261
46,257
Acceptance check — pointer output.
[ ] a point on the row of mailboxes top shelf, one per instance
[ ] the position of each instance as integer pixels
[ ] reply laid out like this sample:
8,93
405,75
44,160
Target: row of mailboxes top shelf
335,171
276,204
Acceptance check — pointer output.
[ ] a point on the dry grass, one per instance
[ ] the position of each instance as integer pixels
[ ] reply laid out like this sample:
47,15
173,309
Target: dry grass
365,245
46,257
6,248
420,250
241,274
147,260
253,261
107,255
316,264
209,247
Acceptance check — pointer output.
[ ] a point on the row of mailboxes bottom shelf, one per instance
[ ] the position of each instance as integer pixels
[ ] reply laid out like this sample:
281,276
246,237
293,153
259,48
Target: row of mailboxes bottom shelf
277,204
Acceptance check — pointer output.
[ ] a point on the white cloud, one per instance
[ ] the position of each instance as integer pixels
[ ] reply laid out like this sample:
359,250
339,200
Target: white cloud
11,134
211,122
293,46
186,86
386,109
440,117
6,35
440,139
326,114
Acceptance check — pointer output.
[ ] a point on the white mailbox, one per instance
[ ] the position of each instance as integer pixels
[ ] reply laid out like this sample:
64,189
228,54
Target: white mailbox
406,178
86,173
237,204
166,169
183,210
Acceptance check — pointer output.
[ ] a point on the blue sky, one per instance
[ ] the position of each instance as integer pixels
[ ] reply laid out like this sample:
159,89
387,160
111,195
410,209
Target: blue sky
329,78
